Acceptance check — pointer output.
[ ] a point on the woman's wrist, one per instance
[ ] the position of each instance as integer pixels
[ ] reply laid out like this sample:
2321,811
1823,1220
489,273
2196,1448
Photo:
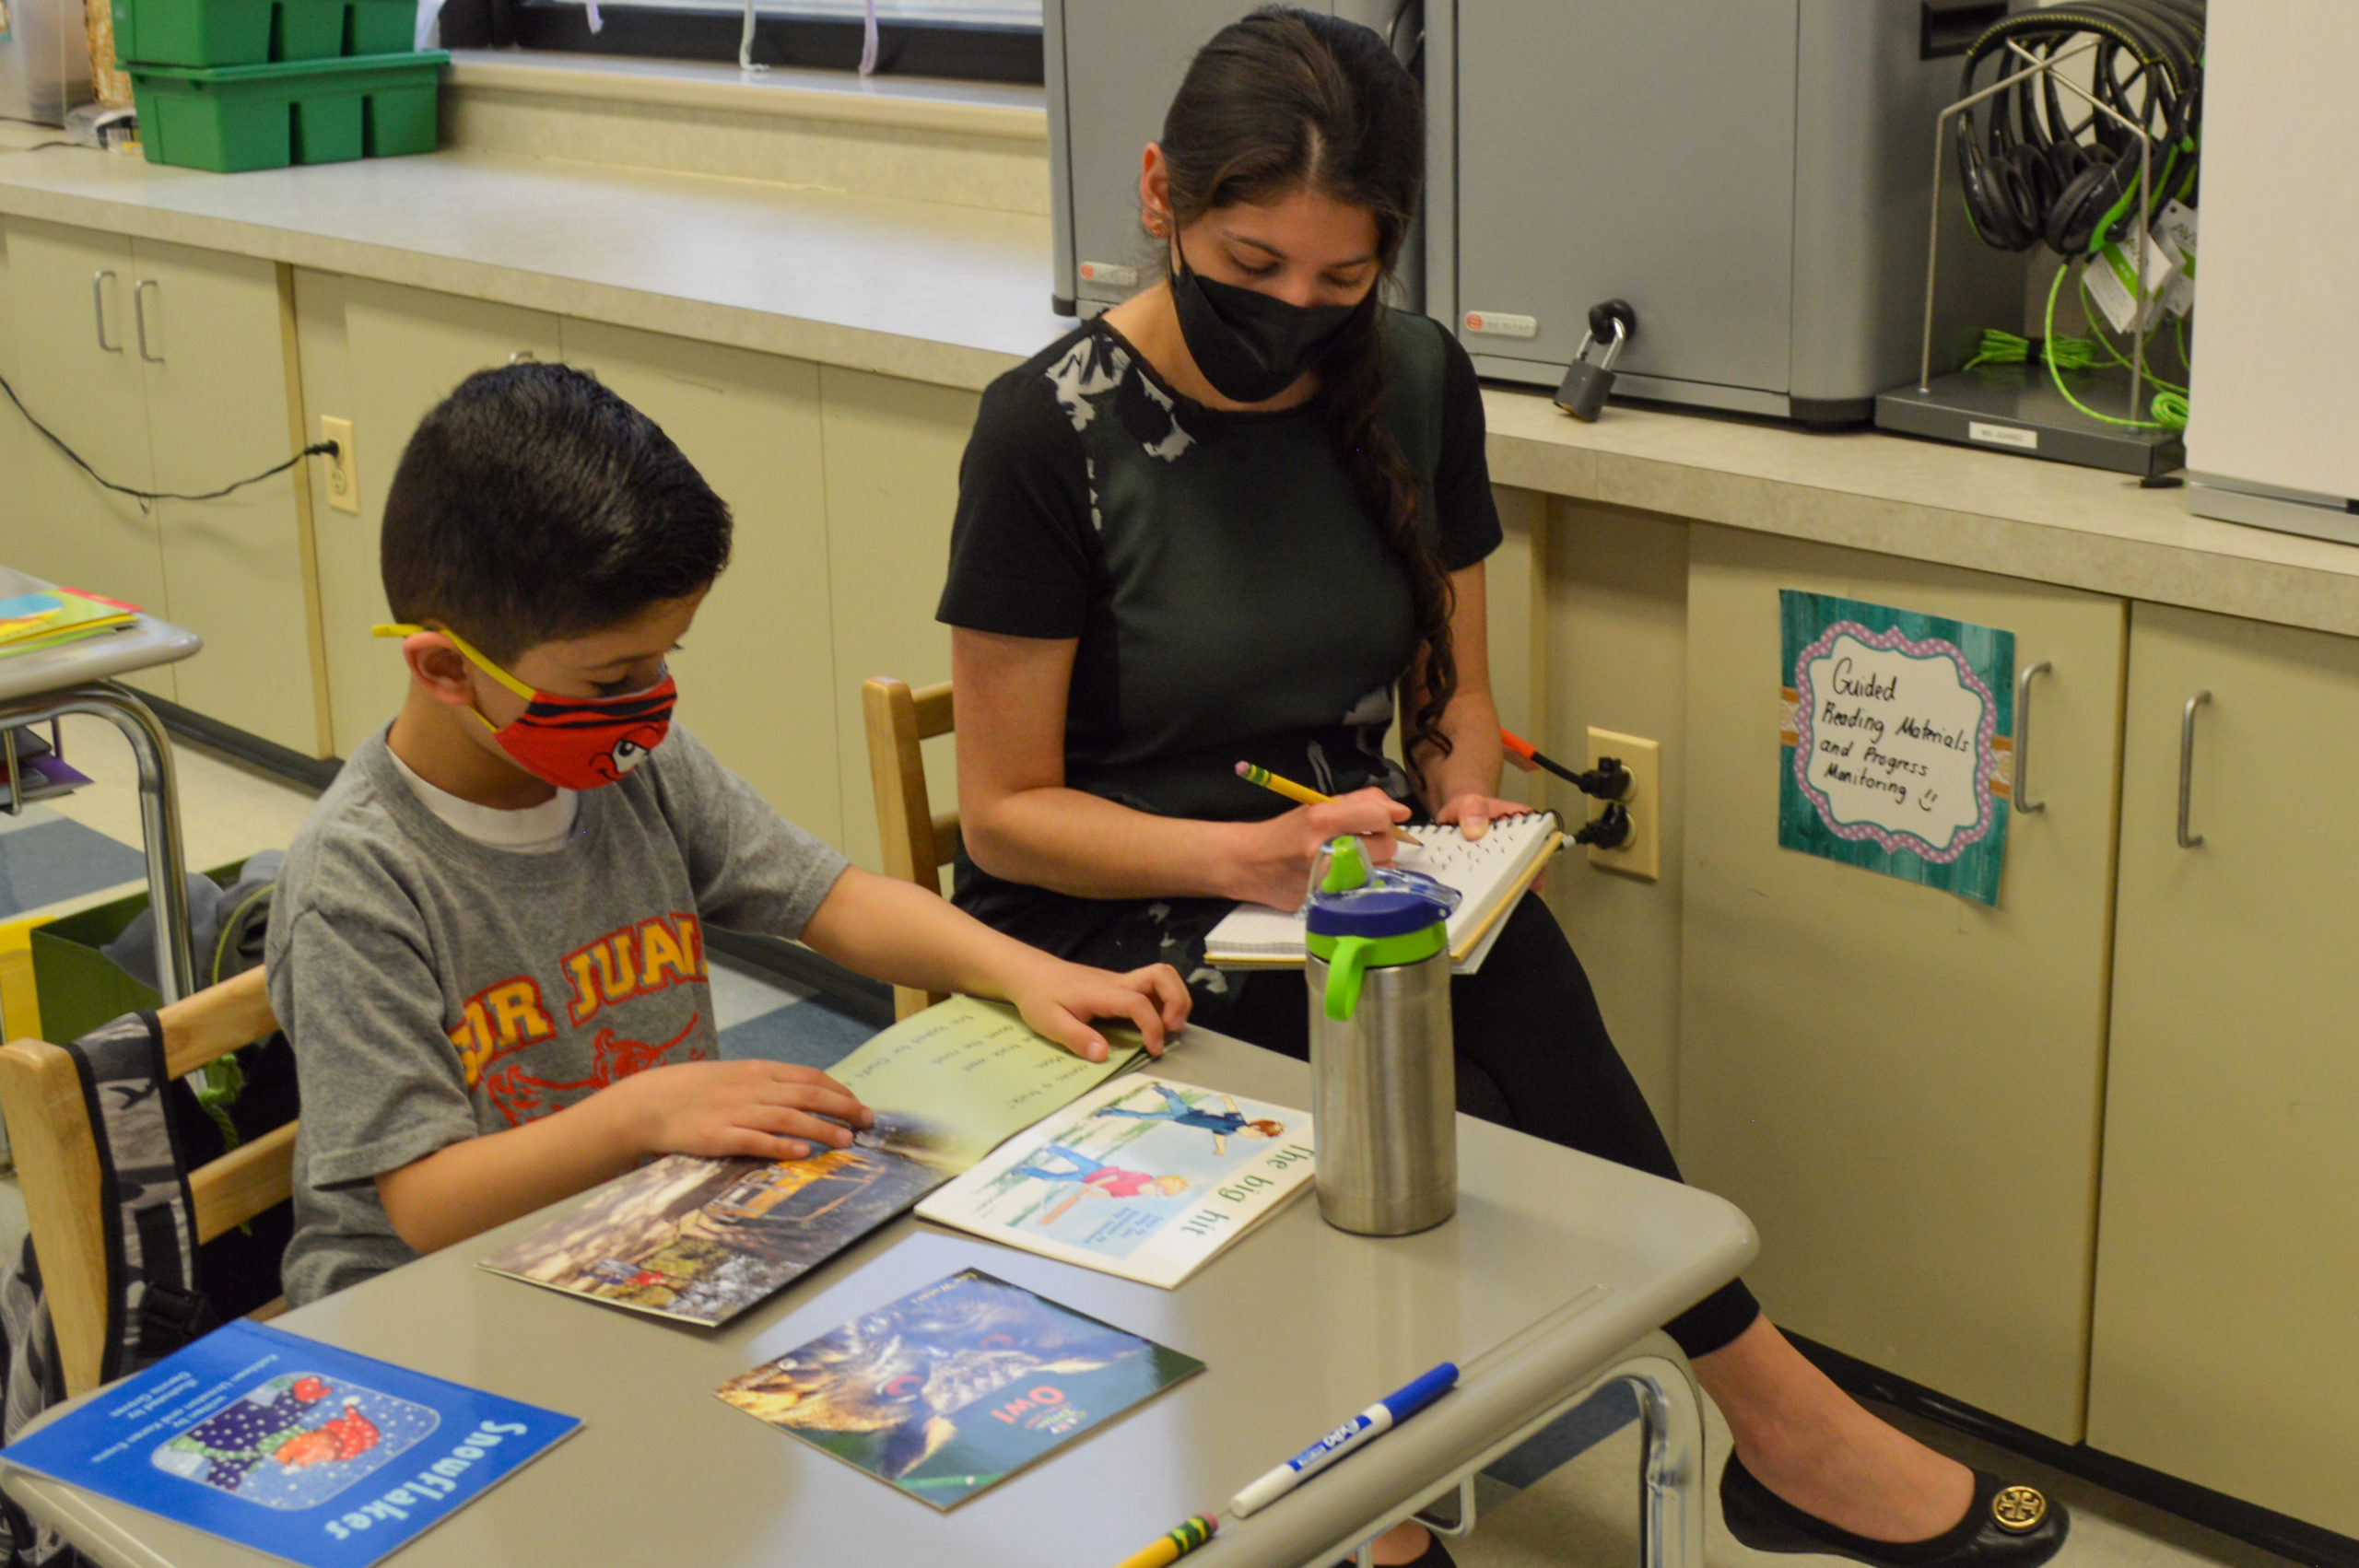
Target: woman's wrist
1243,861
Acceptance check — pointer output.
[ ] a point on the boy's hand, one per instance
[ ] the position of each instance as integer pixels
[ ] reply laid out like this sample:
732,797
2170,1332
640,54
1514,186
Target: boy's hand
763,1109
1061,999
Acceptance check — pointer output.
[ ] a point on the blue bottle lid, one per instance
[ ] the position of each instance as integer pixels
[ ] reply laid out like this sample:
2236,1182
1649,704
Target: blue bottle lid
1372,912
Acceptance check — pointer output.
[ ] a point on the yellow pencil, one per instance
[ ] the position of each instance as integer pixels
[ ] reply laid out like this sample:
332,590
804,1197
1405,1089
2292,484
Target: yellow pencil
1175,1544
1301,794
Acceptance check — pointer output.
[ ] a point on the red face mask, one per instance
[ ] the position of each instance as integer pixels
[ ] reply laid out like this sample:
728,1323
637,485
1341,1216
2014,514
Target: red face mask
574,743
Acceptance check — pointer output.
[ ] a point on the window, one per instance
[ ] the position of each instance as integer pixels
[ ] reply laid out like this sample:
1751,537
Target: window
971,39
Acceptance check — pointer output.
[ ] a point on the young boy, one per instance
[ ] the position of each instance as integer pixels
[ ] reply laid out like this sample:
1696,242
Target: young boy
487,945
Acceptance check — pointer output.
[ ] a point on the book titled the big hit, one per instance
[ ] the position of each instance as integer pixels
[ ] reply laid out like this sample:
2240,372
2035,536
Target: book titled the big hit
291,1446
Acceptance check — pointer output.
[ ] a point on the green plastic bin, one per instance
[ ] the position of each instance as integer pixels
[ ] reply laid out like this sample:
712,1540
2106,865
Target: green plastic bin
234,118
211,33
80,987
382,26
192,32
303,29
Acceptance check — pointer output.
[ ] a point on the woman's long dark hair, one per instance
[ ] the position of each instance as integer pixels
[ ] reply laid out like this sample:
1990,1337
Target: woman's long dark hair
1289,100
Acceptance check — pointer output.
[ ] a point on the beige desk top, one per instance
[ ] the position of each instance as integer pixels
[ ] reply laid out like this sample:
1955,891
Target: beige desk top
955,295
1555,1265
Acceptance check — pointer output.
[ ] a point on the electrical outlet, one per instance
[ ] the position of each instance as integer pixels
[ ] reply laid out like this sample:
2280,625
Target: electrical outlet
1642,854
343,470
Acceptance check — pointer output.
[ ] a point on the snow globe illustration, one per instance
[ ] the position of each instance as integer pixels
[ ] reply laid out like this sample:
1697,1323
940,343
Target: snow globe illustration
296,1441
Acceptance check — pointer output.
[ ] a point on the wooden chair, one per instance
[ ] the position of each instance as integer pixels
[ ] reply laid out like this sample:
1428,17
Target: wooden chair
918,842
57,1161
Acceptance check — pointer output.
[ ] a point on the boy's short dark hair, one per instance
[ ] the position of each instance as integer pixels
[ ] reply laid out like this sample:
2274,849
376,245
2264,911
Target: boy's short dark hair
534,504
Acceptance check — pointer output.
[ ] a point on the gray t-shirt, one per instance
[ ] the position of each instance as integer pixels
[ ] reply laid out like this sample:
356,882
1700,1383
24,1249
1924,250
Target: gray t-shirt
438,989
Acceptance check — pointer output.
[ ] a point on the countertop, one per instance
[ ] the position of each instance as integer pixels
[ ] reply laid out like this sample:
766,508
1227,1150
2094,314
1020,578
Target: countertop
953,296
933,293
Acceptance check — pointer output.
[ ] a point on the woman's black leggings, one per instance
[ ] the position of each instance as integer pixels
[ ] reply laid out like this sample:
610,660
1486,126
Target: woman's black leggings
1528,1021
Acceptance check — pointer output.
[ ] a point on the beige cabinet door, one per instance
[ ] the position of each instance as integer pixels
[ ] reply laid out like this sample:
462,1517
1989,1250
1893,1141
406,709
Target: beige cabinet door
1901,1087
892,450
234,568
2226,1347
73,356
757,669
383,356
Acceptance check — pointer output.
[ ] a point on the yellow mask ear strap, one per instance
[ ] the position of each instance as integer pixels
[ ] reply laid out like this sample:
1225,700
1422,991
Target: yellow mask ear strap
403,628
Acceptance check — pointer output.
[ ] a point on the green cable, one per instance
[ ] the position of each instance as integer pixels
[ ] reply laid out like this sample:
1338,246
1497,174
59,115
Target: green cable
2005,348
2088,310
2169,406
224,1081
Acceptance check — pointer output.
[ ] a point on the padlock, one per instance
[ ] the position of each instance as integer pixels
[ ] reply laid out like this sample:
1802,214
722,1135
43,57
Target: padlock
1584,391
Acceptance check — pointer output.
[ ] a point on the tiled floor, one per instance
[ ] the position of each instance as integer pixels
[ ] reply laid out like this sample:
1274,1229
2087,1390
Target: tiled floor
228,811
1582,1512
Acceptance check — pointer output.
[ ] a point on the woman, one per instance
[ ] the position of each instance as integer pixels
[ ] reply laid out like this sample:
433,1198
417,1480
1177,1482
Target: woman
1227,521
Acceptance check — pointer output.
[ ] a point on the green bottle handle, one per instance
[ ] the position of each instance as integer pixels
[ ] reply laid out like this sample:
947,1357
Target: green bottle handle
1346,967
1349,958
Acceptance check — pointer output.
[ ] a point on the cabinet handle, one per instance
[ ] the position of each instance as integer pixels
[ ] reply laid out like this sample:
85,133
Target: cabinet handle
2023,736
140,317
2186,769
99,281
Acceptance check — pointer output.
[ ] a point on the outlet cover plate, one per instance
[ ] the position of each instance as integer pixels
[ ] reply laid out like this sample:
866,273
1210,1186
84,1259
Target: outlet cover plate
1641,855
340,473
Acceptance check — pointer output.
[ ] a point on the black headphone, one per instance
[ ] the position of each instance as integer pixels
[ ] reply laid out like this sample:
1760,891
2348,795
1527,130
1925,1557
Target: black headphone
2037,174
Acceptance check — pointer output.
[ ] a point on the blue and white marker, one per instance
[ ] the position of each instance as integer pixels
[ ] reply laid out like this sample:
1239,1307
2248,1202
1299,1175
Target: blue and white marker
1361,1430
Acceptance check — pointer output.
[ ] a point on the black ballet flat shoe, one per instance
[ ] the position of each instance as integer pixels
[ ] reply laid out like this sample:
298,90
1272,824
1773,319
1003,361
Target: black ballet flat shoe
1434,1556
2006,1526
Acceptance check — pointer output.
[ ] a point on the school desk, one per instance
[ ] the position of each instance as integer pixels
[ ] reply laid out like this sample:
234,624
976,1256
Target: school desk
1547,1283
77,677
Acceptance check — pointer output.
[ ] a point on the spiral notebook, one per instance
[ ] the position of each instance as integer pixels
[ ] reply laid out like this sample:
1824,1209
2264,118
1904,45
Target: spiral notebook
1492,873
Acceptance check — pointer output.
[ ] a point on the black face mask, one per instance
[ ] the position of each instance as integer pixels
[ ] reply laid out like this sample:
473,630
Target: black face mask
1250,346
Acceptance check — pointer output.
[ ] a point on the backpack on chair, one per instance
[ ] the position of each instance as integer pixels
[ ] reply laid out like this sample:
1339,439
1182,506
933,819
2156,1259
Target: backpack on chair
163,1288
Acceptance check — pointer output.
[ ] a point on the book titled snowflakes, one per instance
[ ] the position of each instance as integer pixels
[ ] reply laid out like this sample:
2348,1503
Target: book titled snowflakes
290,1446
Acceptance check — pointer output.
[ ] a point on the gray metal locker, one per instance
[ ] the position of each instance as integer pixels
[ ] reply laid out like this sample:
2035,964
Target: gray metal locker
1752,177
1112,68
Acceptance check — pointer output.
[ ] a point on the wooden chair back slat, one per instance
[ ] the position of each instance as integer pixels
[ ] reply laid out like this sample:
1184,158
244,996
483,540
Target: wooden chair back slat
57,1172
916,841
246,1181
215,1022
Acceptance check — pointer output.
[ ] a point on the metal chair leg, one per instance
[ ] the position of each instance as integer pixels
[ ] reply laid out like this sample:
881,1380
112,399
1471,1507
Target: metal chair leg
159,812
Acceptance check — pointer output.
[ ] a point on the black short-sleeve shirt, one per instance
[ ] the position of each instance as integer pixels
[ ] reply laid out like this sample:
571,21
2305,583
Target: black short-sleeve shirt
1231,598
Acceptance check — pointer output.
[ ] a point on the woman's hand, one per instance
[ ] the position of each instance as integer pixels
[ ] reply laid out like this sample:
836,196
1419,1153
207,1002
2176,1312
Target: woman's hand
1274,867
1473,811
1062,1000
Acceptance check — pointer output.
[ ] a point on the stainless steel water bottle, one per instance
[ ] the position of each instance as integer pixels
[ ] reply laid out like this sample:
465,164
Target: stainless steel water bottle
1383,1090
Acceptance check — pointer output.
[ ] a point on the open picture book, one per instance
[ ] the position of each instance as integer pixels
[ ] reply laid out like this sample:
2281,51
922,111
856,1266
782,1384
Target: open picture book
1490,873
1141,1177
953,1388
701,1239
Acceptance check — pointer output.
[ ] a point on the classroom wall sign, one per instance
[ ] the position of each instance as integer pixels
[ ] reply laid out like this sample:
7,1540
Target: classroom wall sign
1896,742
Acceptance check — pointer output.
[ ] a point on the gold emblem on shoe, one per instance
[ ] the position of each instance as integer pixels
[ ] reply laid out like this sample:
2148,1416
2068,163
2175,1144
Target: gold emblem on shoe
2019,1508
